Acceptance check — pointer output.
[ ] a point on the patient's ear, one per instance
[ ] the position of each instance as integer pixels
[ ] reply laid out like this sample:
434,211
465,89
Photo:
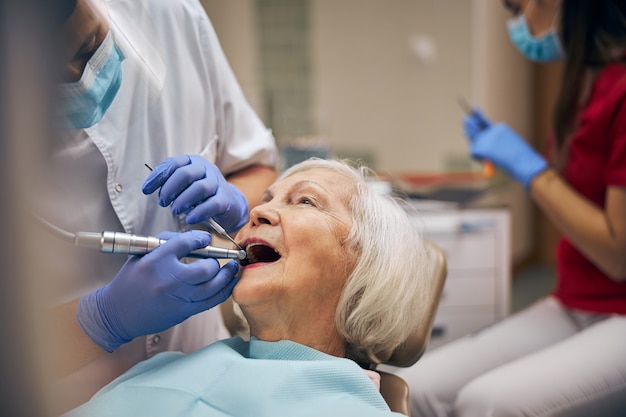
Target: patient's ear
234,319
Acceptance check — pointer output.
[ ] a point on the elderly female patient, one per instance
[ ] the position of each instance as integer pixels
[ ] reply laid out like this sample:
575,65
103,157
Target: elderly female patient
335,270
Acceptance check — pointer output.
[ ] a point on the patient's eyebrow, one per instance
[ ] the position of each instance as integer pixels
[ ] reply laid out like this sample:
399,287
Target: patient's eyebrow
305,183
268,195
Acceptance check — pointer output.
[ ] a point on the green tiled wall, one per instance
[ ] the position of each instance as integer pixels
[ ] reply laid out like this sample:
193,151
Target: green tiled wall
286,66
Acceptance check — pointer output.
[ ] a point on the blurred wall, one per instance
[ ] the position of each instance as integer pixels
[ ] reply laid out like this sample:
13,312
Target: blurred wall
236,25
387,74
386,77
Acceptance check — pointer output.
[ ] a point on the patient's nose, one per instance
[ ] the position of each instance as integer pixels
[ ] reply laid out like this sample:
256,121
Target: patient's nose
264,214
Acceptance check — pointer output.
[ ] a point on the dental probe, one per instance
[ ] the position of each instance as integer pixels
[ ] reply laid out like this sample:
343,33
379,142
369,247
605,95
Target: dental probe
215,225
488,167
222,232
129,244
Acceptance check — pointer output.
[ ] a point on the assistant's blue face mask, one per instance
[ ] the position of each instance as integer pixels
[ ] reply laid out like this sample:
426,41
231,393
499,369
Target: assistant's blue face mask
84,102
543,49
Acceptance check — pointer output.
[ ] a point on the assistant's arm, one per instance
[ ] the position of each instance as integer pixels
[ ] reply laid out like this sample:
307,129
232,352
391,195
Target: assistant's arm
599,234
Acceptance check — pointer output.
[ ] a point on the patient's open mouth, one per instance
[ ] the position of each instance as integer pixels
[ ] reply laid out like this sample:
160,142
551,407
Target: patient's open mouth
257,252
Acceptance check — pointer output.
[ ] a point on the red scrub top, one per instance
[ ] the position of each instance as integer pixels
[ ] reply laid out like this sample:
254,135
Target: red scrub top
596,160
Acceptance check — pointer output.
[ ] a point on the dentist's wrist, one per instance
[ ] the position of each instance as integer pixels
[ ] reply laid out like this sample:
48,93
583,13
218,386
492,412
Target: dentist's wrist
94,324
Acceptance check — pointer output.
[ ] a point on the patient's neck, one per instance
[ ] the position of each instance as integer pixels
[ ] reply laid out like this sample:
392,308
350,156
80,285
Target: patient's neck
312,335
330,346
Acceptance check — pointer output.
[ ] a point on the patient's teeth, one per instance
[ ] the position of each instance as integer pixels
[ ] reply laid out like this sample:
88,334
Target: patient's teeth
257,252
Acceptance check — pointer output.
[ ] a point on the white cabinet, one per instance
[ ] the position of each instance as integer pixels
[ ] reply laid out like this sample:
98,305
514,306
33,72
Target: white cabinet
477,246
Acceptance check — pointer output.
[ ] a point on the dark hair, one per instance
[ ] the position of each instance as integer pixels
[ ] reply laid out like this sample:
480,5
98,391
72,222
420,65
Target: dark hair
63,10
591,33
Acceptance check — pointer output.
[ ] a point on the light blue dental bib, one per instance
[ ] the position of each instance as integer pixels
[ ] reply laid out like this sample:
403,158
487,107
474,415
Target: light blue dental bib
238,378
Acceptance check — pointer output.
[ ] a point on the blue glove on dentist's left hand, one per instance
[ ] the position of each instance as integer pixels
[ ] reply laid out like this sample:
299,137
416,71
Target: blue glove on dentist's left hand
501,145
194,186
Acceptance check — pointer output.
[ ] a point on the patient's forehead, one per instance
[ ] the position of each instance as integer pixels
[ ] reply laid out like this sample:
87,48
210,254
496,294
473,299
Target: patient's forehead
333,182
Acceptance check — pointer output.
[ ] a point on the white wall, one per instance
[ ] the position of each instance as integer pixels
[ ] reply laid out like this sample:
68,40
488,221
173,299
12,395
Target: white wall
372,91
235,24
373,94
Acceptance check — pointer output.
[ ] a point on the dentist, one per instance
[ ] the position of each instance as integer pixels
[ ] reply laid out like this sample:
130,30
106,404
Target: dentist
146,82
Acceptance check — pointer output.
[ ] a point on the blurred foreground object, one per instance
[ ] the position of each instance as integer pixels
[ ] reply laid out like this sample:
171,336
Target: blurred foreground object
26,56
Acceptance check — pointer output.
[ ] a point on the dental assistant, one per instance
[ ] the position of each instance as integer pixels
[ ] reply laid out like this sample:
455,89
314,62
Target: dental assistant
565,354
146,82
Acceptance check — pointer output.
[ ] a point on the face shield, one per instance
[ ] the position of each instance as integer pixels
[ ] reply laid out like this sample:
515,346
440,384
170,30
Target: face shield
125,74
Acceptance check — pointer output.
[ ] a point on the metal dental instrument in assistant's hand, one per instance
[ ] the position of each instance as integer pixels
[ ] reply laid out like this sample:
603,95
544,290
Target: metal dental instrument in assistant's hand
215,226
488,167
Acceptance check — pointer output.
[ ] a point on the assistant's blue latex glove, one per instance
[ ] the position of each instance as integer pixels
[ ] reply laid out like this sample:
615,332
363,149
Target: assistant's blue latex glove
194,186
501,145
155,292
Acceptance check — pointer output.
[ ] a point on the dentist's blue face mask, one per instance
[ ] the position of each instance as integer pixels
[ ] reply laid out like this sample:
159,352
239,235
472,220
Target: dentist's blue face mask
84,102
543,49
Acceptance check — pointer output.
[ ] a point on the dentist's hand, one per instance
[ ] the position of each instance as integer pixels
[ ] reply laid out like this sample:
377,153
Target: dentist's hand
500,144
194,186
155,292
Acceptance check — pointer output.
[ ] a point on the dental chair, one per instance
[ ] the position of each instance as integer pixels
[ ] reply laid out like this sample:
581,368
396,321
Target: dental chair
393,388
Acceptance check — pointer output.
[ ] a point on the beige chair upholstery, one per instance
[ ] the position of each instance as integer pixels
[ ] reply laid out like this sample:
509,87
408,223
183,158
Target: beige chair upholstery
394,389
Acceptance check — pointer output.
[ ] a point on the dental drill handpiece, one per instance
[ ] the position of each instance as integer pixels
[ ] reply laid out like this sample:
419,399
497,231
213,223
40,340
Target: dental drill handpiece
129,244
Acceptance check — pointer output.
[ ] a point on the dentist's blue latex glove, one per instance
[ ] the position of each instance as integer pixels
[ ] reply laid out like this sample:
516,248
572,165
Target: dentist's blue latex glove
501,145
196,187
156,291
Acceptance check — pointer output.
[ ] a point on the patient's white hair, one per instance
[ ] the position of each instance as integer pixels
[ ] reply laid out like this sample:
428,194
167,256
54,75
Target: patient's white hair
386,295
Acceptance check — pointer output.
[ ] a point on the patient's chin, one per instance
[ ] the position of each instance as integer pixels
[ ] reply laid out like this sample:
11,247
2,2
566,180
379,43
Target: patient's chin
255,289
248,290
